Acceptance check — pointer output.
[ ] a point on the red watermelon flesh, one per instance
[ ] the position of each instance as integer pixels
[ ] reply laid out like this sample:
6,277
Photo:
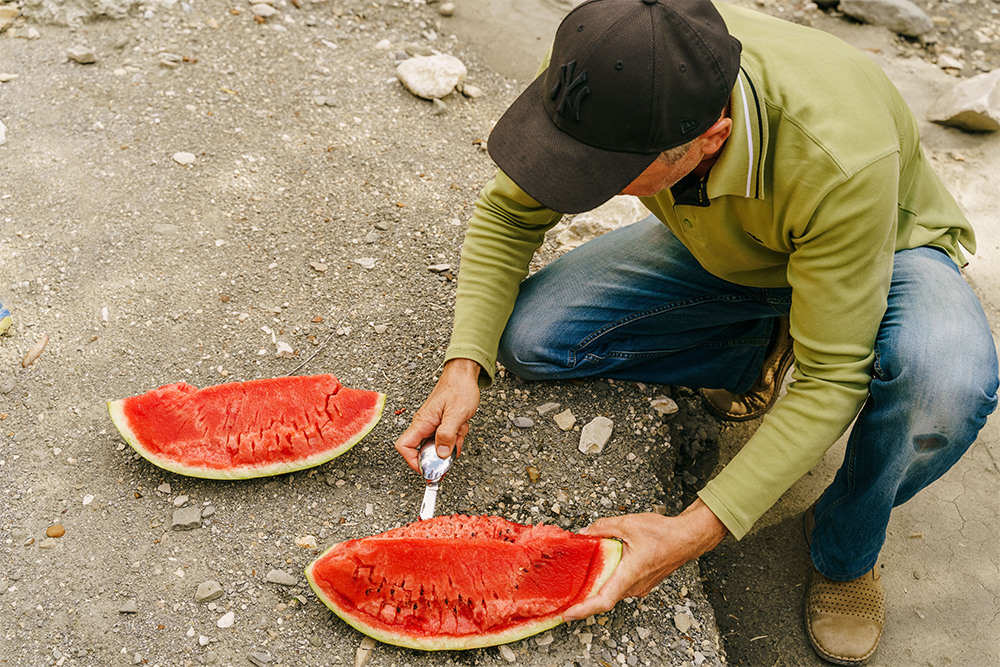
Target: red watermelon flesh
458,582
247,429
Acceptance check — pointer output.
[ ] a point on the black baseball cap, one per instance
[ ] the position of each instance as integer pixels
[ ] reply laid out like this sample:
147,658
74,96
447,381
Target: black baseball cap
627,80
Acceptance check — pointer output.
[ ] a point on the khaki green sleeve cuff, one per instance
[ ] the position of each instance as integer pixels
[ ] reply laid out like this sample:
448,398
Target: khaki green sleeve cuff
477,355
728,519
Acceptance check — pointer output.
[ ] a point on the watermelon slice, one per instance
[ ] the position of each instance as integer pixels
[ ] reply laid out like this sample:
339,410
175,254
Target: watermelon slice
240,430
458,582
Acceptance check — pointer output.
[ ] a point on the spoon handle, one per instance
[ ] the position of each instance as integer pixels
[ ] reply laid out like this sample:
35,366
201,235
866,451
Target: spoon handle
430,500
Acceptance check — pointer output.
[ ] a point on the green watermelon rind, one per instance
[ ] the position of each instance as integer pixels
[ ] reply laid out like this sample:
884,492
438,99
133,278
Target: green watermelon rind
118,416
611,551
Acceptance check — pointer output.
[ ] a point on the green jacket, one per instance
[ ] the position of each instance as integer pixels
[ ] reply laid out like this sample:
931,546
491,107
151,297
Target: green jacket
822,179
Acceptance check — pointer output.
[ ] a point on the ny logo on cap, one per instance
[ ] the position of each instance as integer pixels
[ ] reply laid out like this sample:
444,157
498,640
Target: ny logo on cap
573,90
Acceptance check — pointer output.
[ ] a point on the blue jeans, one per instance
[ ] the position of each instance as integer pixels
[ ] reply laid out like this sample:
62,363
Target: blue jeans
634,304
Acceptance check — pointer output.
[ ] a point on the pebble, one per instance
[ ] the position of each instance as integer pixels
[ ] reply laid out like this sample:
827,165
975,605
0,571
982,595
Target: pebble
682,622
522,422
203,640
207,591
82,55
565,419
372,237
643,633
369,509
55,530
365,262
6,77
283,349
187,518
418,50
595,435
184,158
306,542
259,658
227,620
446,9
384,45
439,268
507,653
263,10
534,476
364,651
547,408
180,501
544,640
319,266
3,133
380,328
129,607
431,77
472,92
164,488
282,578
664,405
7,386
438,107
207,512
47,543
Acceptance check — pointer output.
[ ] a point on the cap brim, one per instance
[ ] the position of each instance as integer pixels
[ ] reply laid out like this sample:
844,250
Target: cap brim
554,169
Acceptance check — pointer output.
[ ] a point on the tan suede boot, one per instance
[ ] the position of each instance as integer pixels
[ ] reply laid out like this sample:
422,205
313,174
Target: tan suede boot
844,619
764,392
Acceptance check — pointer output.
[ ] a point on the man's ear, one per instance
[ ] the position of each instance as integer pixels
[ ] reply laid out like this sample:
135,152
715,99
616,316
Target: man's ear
715,136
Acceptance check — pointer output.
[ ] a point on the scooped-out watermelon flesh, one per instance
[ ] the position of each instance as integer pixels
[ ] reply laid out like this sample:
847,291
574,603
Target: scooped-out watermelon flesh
459,582
249,429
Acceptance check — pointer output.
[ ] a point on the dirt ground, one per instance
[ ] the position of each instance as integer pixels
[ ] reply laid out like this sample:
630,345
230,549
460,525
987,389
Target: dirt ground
320,195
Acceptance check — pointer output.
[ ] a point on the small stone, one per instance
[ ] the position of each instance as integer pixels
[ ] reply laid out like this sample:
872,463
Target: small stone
282,578
470,91
522,422
533,474
259,658
545,640
431,77
180,501
306,542
129,607
208,591
664,405
547,408
507,653
164,488
446,9
227,620
365,262
643,633
384,45
439,268
319,266
184,158
207,512
682,622
6,77
187,518
369,509
364,651
438,107
203,640
263,10
47,543
82,55
283,349
418,50
565,419
595,435
380,328
87,499
55,530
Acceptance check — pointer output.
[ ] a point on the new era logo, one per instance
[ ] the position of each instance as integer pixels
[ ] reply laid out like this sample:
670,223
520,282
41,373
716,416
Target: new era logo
688,125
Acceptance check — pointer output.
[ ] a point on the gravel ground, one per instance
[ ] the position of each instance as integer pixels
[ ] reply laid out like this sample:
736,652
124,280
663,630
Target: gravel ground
318,194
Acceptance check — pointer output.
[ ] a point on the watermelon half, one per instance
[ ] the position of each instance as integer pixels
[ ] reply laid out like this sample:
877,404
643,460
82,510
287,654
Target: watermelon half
459,582
249,429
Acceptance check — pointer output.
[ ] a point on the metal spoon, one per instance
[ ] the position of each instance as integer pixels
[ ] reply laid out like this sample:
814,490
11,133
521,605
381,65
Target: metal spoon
433,468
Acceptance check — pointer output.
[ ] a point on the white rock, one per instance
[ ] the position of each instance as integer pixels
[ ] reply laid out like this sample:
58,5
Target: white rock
447,9
5,77
507,653
618,212
439,268
82,54
945,61
185,158
365,262
472,92
547,408
282,578
3,133
900,16
595,435
306,541
664,405
384,45
283,349
973,104
263,10
431,77
227,620
208,591
682,621
565,419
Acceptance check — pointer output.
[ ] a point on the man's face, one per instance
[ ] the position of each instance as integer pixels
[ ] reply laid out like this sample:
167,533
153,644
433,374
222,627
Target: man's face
659,176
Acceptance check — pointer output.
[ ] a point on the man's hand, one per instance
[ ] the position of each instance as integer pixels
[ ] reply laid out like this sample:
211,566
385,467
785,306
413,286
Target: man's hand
445,414
653,547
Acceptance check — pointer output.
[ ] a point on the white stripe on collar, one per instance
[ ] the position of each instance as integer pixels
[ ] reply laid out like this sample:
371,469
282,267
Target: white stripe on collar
746,119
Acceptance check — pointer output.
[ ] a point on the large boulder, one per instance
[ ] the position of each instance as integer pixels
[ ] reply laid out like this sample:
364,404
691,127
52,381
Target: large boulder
973,104
901,16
